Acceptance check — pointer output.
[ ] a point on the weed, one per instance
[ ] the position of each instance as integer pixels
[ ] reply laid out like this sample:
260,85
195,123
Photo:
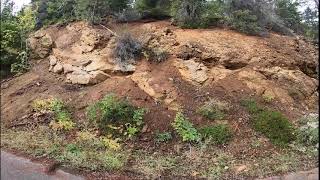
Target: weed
219,168
268,98
85,151
114,116
111,144
185,128
153,166
251,106
219,134
214,109
308,133
163,137
156,55
62,120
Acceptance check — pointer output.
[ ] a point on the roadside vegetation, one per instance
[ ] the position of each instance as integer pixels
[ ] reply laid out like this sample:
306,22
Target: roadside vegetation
114,123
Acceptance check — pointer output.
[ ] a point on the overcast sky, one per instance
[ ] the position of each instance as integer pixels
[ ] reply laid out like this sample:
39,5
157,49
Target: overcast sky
19,3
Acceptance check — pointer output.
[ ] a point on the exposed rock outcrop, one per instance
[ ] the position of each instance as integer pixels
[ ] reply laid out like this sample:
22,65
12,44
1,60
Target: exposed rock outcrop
40,44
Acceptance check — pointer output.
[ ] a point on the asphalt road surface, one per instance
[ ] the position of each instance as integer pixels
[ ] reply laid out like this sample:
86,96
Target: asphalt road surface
18,168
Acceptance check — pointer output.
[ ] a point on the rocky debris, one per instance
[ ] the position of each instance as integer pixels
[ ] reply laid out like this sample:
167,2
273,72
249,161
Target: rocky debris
81,62
190,50
126,68
99,65
85,78
40,44
52,60
192,71
58,68
159,93
68,68
91,38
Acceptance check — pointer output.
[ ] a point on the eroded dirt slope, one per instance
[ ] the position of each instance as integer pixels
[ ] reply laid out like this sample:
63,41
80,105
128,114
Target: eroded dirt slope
80,69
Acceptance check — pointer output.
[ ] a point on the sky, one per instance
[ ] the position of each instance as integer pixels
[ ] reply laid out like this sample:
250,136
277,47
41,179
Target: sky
19,3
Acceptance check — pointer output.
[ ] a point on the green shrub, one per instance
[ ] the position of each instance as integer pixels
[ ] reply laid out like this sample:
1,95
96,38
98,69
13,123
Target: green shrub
156,9
114,116
214,109
185,128
308,133
213,13
272,124
218,134
23,64
163,137
244,21
188,13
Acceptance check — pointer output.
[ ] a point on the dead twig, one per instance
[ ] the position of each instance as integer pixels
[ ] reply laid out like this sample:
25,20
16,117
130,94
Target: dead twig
115,34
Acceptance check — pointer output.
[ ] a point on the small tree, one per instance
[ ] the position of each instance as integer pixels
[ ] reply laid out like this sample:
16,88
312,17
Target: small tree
188,13
287,10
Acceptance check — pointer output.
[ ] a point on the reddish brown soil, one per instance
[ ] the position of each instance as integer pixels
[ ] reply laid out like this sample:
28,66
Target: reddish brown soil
18,93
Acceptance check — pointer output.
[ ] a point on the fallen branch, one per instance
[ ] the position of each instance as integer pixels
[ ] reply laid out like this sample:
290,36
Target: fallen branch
109,30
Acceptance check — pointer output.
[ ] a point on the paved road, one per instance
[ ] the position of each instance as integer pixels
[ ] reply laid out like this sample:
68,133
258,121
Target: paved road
18,168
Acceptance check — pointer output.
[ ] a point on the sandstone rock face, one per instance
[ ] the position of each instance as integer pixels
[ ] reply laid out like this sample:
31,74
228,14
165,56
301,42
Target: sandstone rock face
146,83
40,44
262,86
192,71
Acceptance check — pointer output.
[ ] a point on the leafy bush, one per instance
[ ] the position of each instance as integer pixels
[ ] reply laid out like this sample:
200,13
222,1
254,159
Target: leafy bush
270,123
219,134
127,49
62,118
214,109
114,116
213,13
185,128
23,64
188,13
128,15
163,137
245,22
157,9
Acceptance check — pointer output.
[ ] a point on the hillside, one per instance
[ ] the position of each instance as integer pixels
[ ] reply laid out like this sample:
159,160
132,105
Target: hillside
74,63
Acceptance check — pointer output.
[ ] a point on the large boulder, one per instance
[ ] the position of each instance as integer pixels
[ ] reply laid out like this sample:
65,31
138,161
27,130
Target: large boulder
192,71
85,78
40,44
